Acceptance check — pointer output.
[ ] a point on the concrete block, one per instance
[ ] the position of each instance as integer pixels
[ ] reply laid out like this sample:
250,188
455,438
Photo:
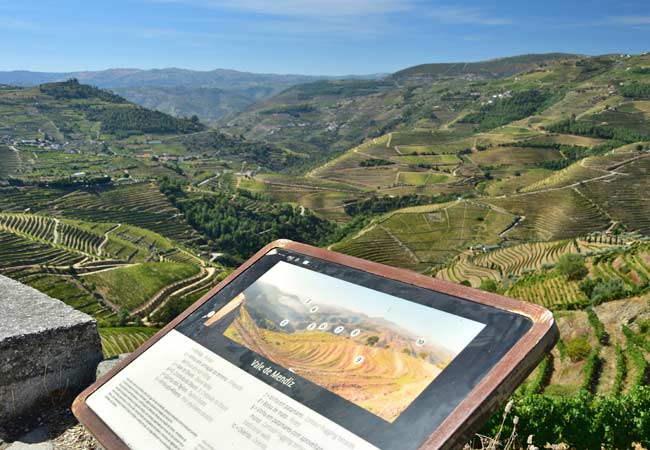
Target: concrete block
46,348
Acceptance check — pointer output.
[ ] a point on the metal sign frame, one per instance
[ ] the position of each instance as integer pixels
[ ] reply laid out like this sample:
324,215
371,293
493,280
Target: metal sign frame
458,428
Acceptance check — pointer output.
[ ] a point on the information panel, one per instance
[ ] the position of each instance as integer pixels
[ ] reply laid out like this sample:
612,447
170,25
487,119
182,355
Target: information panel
181,396
299,351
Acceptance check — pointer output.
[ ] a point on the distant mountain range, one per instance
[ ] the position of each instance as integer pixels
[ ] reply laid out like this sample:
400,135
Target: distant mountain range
208,94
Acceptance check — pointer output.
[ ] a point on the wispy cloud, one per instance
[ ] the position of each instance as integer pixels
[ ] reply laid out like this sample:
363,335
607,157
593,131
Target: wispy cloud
15,24
630,20
469,16
305,8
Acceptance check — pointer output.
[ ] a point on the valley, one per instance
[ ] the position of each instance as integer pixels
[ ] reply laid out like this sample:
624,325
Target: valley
497,175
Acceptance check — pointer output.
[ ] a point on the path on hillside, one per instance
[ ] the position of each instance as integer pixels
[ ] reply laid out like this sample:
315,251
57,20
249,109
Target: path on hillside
108,269
55,239
186,289
610,173
168,291
100,248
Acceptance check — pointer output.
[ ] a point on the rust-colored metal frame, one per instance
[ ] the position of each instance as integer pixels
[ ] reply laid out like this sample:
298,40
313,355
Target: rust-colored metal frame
468,416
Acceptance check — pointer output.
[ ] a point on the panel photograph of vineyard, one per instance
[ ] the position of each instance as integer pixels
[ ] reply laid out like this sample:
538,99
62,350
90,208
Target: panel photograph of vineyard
380,362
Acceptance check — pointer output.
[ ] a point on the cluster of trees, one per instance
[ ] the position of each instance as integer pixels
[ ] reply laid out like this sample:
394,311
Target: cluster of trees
72,89
239,230
124,121
343,88
292,110
520,105
381,205
375,162
640,91
585,128
258,153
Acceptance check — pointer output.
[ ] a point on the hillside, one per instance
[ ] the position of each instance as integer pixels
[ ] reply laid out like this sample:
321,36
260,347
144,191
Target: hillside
495,68
182,93
527,177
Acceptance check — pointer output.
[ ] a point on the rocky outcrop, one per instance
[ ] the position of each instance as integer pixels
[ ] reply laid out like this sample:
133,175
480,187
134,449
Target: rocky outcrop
46,348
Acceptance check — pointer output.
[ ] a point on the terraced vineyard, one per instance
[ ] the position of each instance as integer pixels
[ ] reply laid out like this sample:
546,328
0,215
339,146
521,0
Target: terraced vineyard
141,205
99,268
9,162
555,214
116,341
424,238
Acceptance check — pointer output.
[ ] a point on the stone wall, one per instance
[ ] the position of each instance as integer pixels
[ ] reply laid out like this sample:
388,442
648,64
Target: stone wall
46,348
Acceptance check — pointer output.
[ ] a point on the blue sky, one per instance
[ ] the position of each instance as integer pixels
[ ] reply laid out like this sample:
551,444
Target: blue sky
330,37
451,331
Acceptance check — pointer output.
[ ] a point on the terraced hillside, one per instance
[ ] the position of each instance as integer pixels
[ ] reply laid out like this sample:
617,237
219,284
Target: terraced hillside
104,269
423,238
391,378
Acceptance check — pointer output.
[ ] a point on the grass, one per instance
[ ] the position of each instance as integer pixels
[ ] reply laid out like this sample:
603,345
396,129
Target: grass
422,178
131,287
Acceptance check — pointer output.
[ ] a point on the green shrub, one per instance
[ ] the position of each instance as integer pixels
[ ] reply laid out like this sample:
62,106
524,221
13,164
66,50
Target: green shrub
592,370
599,328
610,289
488,285
578,349
572,266
621,371
584,421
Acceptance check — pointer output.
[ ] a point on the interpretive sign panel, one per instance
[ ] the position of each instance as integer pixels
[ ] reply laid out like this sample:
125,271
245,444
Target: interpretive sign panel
306,349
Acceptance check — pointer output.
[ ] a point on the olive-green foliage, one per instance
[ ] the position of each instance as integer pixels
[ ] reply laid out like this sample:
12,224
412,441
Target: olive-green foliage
572,265
72,89
639,91
521,104
578,349
489,285
583,421
241,224
599,327
125,121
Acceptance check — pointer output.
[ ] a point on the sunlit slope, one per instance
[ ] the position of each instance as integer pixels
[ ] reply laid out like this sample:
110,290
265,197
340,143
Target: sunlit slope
385,383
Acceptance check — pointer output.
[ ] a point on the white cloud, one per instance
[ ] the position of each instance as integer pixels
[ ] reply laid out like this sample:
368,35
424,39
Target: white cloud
470,16
305,8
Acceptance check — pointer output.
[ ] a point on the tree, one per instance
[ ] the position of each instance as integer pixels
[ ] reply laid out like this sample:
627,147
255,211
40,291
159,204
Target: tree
572,266
372,340
488,285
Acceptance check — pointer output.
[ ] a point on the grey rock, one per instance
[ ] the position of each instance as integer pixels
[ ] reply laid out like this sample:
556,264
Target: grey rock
46,347
34,440
107,365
